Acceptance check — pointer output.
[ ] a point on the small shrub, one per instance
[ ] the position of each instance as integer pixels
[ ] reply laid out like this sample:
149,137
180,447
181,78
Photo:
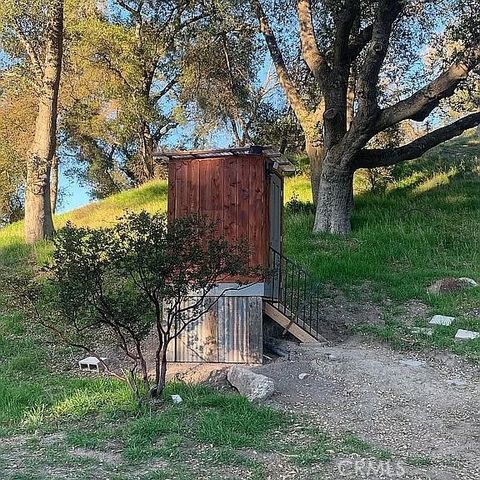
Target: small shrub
297,206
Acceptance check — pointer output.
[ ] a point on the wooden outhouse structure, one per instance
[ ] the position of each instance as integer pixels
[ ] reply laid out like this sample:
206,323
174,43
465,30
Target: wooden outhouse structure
241,189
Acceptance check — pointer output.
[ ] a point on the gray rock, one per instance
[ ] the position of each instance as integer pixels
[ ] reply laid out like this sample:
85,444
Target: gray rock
441,320
466,335
469,281
254,386
332,357
449,285
303,376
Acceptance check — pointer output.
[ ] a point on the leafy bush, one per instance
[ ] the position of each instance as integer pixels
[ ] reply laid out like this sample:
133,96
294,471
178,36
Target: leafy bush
137,276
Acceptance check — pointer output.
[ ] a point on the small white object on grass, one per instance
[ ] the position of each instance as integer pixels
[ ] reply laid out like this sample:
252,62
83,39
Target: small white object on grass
92,364
177,399
442,320
303,375
466,335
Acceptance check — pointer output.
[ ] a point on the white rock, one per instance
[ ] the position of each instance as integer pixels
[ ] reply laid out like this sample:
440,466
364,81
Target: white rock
466,335
253,385
177,399
441,320
469,281
422,331
303,375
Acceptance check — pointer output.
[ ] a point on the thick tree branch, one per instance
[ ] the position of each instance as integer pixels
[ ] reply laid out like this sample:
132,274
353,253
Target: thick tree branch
336,89
168,86
387,12
419,105
284,78
344,24
385,157
31,53
314,59
360,42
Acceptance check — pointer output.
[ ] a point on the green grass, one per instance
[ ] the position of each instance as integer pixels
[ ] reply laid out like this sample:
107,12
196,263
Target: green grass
423,228
29,391
204,416
147,436
151,197
401,240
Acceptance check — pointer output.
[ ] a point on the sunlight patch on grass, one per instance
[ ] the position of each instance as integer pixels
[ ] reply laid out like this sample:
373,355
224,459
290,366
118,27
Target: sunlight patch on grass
434,182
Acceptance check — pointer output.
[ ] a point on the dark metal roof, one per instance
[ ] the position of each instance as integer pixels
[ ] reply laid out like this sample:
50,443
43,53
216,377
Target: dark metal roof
283,163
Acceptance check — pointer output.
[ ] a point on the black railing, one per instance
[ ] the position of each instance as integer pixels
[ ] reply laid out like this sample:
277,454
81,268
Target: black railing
295,293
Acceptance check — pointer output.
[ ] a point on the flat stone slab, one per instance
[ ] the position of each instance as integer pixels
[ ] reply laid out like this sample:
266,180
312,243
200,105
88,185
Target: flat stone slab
441,320
466,335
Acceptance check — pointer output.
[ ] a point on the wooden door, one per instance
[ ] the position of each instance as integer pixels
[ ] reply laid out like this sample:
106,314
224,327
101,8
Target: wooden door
276,210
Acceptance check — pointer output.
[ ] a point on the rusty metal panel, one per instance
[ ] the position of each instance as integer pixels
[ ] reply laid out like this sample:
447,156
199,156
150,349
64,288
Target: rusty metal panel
230,332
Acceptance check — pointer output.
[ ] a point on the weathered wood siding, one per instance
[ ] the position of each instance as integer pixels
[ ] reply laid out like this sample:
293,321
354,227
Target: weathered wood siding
232,190
230,332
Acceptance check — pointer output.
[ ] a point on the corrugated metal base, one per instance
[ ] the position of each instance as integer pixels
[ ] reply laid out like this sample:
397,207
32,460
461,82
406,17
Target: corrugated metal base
230,332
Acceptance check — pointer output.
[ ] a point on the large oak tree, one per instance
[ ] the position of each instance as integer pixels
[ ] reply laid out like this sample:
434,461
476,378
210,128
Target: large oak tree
365,74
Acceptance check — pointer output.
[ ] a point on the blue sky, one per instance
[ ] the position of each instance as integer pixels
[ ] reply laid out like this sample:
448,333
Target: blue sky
73,194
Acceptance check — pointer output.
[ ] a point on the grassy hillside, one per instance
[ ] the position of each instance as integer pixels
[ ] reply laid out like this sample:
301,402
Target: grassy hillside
151,197
425,226
401,240
421,228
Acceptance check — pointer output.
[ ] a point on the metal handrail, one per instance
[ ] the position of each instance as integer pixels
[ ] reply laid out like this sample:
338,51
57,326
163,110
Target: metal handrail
294,292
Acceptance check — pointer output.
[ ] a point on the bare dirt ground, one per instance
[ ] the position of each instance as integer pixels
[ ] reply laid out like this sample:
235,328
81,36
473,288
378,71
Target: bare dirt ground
419,413
423,408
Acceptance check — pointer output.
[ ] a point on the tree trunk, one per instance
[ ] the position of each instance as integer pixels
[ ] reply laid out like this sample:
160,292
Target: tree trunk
148,147
161,372
38,211
335,200
315,154
54,184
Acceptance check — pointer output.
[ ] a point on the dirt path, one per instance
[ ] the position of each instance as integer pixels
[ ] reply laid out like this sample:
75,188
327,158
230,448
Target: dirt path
423,408
417,413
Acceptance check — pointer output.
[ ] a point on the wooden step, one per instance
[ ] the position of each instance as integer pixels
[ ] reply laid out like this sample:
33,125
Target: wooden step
296,326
